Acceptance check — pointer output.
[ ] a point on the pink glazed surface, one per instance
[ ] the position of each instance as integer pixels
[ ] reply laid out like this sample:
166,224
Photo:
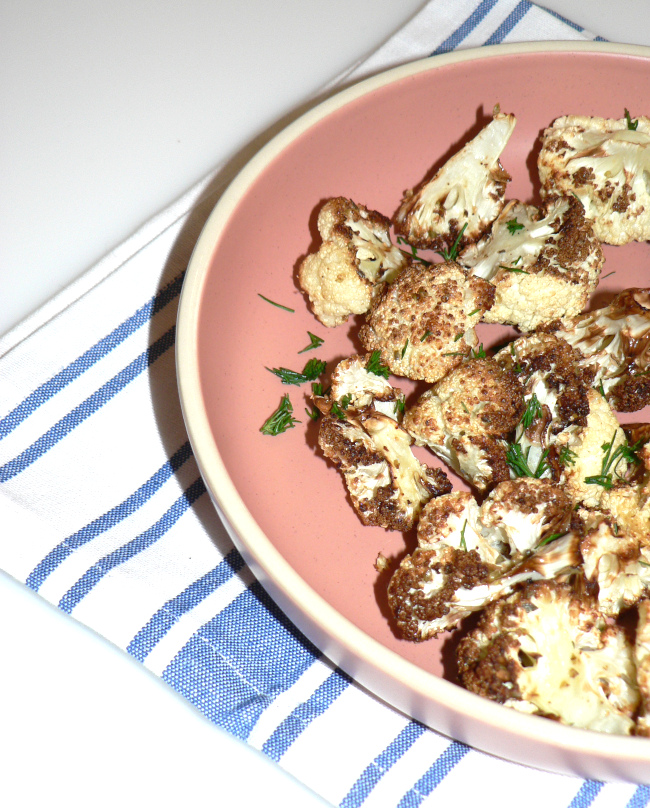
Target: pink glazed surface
370,150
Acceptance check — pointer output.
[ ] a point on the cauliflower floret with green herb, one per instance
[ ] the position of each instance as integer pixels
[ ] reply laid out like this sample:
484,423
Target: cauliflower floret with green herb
355,259
526,513
618,562
615,342
466,417
460,566
387,483
544,263
423,322
583,675
354,384
467,192
606,165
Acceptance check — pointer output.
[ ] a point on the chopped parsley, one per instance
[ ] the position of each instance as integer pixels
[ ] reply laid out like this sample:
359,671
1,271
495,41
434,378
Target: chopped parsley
513,225
273,303
311,371
315,342
452,254
517,459
375,366
478,353
611,458
281,420
630,123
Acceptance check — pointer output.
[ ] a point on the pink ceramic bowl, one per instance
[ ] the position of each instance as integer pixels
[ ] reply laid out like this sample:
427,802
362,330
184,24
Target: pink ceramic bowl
285,507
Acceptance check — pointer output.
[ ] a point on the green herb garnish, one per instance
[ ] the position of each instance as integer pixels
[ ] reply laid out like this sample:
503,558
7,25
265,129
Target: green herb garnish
426,334
463,543
533,410
567,456
610,460
311,371
281,420
630,123
517,459
315,342
452,254
406,345
375,366
513,225
273,303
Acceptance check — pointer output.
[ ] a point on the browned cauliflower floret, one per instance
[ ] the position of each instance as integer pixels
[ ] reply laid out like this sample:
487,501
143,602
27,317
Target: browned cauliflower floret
466,417
461,565
544,263
354,261
423,322
467,192
582,675
387,484
642,659
615,559
352,384
526,513
606,164
615,342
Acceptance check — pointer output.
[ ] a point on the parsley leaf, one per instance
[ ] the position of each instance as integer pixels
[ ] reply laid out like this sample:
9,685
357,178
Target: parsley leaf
315,342
513,225
281,420
311,371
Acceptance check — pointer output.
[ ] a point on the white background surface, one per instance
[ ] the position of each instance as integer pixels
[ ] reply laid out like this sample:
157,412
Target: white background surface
109,112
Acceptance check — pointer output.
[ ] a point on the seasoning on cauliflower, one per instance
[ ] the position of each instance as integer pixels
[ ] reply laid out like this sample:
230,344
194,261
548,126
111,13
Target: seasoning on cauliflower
606,164
467,192
615,342
423,322
466,417
461,564
544,263
582,675
354,261
387,484
352,384
618,562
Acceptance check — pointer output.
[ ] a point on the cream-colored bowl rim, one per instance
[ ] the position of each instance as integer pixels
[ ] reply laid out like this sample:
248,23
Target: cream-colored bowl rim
265,559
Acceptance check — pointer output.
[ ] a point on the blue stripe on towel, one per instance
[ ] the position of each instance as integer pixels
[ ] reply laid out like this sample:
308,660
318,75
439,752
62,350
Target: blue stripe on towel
294,724
148,636
96,352
516,16
132,548
103,523
381,764
587,793
239,661
88,407
435,775
464,30
640,798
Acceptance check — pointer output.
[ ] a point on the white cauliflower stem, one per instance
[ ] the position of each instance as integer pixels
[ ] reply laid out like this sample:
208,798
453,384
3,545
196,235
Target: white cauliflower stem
607,165
466,192
354,261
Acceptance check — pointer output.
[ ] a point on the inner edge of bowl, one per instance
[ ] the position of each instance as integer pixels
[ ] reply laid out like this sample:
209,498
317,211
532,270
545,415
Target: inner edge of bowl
266,561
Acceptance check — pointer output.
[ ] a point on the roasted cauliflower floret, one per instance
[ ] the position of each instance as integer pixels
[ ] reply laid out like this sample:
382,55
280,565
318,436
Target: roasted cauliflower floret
354,261
466,417
423,322
467,192
460,566
642,659
544,263
527,512
582,675
615,342
618,563
353,384
387,484
606,165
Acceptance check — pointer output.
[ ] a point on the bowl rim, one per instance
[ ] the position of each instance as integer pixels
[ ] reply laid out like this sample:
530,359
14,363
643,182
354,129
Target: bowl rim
285,585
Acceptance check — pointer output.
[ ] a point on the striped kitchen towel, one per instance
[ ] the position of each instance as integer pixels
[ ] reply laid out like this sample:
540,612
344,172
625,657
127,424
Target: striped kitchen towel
104,512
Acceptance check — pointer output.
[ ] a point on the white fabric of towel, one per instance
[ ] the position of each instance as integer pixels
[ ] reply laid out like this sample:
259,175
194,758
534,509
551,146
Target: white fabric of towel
105,515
